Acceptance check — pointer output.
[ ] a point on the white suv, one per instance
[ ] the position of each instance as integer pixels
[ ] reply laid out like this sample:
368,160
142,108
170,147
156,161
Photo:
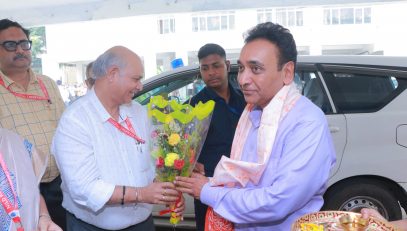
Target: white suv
365,102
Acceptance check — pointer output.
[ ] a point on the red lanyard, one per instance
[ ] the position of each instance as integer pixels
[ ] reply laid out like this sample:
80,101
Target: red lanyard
130,132
28,96
12,210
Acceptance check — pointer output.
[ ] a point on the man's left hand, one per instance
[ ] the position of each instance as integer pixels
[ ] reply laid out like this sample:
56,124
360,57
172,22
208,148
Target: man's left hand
191,185
46,224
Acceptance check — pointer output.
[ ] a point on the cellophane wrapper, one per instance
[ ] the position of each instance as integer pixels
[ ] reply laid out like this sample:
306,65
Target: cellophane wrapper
179,132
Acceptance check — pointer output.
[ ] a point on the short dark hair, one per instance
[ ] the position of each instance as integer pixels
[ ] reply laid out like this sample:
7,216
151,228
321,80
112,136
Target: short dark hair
277,35
7,23
210,49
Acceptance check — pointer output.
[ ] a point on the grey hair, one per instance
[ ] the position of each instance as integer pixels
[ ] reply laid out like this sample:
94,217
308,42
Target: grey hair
104,62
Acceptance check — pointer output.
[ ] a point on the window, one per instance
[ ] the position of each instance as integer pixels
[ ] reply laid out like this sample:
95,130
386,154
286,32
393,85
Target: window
299,18
348,15
367,15
327,17
180,90
289,17
231,22
195,24
335,16
202,23
358,16
166,26
281,16
213,22
310,86
264,15
359,93
223,22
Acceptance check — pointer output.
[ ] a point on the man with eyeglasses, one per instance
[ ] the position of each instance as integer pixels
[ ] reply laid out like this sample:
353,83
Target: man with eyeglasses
31,105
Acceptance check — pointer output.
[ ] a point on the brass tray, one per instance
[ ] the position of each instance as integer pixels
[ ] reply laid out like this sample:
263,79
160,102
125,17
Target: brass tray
339,220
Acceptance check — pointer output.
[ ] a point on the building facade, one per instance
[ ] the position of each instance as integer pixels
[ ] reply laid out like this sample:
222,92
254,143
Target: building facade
359,28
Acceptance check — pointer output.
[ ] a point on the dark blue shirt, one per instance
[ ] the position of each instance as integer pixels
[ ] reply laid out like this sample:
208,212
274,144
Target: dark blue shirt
222,128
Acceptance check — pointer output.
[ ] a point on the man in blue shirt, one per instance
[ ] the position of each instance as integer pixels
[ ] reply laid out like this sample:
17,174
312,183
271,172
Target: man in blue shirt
282,152
229,106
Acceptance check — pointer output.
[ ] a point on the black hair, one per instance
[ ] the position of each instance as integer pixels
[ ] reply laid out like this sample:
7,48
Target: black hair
210,49
7,23
277,35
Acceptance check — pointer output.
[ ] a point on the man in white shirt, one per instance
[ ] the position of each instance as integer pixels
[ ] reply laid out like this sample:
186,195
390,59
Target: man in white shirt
102,150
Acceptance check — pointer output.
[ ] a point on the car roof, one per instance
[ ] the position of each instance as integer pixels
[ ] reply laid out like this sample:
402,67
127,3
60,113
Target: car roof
355,59
370,60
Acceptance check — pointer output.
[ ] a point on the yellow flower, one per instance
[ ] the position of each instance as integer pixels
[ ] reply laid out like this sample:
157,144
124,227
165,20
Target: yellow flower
174,219
174,139
170,158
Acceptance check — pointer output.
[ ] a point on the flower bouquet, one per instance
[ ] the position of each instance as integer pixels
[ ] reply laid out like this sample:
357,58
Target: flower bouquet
179,131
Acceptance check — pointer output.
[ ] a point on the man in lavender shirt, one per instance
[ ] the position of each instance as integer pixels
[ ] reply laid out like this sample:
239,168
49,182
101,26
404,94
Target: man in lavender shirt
296,173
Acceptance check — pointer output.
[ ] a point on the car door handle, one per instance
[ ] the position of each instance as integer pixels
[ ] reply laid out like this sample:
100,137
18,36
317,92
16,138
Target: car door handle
333,129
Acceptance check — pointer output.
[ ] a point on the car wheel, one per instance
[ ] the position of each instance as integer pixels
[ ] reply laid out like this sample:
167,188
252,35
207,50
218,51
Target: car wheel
354,195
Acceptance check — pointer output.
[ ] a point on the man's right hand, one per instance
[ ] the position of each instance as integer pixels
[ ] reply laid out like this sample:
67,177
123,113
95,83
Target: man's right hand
163,193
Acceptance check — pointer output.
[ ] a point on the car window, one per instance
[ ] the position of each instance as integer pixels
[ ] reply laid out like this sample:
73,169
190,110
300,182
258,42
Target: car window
359,93
311,87
183,89
351,93
180,90
146,96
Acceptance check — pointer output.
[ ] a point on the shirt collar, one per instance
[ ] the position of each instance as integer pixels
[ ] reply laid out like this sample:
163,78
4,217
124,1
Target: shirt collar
102,112
214,95
8,81
255,116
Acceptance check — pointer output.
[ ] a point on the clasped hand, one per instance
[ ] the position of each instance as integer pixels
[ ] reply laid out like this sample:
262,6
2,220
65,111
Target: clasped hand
164,193
192,185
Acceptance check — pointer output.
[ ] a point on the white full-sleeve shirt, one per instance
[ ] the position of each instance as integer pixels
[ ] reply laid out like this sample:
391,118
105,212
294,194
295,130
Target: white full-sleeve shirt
94,156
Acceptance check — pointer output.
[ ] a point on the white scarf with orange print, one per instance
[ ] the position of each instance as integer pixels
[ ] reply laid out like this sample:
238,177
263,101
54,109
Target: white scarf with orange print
232,171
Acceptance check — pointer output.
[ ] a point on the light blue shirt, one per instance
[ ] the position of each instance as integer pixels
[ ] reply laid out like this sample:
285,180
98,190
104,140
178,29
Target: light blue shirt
294,180
93,157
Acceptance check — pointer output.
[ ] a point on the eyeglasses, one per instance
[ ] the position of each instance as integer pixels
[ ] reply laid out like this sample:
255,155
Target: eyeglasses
12,45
